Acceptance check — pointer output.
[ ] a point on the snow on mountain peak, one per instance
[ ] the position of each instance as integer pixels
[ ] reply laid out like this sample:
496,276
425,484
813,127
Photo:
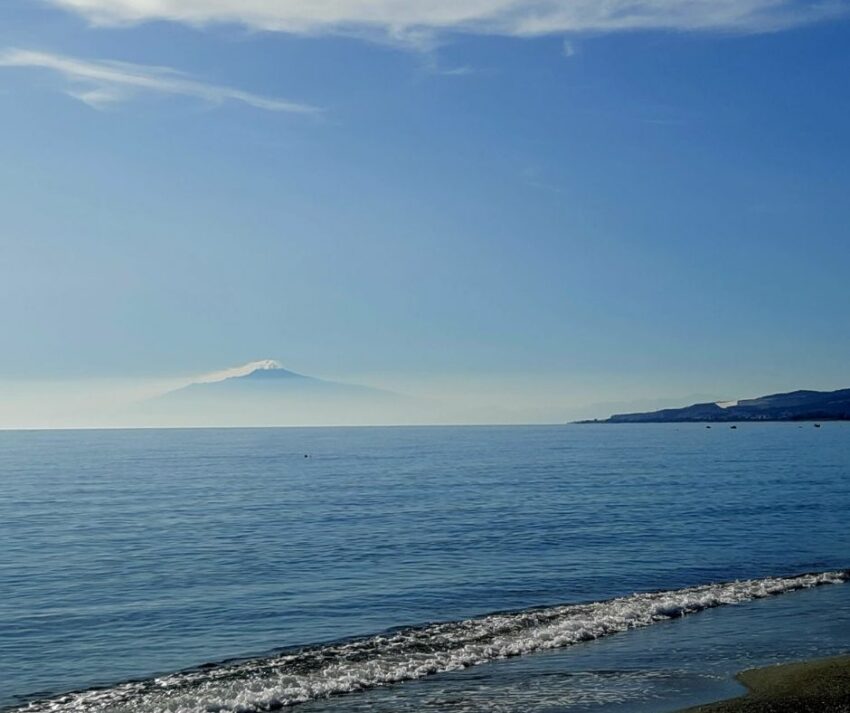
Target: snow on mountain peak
236,371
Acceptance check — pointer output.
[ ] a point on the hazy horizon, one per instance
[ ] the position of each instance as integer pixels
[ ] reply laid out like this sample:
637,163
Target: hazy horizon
117,403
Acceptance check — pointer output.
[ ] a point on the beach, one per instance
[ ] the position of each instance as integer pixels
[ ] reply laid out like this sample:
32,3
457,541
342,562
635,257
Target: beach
819,686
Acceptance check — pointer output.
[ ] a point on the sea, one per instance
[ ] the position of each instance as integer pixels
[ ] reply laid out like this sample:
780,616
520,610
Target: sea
572,568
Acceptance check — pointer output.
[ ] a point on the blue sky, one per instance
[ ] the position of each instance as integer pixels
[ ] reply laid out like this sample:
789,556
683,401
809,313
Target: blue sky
561,200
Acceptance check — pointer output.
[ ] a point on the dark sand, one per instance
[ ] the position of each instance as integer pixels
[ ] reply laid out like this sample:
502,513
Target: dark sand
821,686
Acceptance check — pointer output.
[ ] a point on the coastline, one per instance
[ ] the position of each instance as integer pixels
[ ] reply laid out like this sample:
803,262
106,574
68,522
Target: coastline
815,686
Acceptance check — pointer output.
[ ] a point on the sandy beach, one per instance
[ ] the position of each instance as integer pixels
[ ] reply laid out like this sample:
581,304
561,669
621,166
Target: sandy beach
821,686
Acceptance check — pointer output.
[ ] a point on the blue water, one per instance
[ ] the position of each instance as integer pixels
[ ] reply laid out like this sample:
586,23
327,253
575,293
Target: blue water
133,554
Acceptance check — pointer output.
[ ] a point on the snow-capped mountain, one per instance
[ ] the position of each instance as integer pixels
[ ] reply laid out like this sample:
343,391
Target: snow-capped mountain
265,393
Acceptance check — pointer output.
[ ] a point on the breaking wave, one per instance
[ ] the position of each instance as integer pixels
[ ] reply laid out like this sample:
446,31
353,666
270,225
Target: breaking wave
286,679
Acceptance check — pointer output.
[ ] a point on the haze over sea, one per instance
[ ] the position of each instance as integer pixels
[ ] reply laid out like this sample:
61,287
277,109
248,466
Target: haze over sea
130,555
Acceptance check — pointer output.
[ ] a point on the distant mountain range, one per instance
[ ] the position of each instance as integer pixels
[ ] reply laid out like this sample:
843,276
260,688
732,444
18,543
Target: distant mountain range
264,393
793,406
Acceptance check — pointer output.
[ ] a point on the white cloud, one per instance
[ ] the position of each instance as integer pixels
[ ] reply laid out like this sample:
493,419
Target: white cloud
415,20
101,83
244,370
570,49
461,71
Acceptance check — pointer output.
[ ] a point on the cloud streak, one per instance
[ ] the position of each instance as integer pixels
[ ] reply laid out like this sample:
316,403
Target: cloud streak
414,21
244,370
101,83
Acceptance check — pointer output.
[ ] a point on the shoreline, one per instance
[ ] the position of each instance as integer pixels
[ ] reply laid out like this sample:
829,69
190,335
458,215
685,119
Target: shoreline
814,686
719,421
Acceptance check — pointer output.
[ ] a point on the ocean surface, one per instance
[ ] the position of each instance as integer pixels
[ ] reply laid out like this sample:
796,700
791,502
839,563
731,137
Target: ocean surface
585,568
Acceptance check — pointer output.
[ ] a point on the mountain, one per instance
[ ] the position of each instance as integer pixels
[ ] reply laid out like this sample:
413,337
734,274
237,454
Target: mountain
793,406
267,380
265,393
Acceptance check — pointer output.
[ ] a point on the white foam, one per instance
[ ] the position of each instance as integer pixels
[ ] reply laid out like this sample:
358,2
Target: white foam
285,680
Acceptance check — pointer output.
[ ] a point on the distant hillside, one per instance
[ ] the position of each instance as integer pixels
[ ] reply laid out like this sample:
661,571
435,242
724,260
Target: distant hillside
793,406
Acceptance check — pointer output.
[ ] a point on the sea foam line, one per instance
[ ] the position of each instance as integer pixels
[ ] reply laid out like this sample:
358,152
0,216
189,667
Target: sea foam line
284,680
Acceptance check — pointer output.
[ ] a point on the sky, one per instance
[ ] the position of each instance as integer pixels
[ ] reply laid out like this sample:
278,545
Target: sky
553,207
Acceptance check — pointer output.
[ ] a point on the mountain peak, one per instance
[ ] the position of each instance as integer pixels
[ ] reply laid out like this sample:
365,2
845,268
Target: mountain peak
263,365
264,393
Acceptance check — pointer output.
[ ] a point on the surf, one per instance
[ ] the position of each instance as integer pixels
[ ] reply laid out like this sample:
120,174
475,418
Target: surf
289,678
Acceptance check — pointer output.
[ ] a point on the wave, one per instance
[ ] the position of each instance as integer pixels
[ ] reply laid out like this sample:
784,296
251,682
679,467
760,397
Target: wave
286,679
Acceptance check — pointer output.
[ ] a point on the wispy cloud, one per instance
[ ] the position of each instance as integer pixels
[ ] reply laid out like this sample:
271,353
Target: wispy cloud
100,83
243,370
461,71
414,22
533,176
431,65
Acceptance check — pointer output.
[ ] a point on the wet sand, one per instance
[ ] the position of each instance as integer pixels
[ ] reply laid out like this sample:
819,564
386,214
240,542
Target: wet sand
820,686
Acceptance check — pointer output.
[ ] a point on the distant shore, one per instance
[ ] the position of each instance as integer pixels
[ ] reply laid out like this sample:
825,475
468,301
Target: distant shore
830,419
819,686
792,407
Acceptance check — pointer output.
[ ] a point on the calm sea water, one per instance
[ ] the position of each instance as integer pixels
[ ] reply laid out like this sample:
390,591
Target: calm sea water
135,555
